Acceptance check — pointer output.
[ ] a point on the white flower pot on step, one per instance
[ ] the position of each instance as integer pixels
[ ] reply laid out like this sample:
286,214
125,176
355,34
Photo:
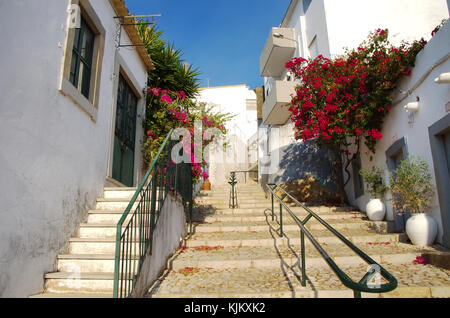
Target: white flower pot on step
421,229
375,210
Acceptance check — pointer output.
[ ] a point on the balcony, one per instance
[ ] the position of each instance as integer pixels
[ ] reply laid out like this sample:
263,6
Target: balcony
274,112
278,50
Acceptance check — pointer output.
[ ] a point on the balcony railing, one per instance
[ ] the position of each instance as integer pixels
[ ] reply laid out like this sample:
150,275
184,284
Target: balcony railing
280,47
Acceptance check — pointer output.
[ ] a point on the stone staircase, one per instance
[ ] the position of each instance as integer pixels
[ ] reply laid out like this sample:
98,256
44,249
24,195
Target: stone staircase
87,270
238,253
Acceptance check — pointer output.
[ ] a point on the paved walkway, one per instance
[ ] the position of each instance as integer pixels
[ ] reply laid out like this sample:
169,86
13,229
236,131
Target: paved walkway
239,253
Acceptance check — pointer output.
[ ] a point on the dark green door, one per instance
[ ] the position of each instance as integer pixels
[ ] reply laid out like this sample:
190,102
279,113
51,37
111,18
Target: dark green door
446,139
125,134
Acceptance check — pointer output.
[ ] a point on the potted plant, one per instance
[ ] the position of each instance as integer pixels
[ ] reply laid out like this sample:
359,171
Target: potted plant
206,185
412,191
375,208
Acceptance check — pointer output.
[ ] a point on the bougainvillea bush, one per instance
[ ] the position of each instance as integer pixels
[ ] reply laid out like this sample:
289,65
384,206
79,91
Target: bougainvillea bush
171,110
341,102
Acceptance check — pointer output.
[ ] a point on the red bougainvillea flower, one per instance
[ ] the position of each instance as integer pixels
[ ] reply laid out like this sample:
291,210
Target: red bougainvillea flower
375,133
345,99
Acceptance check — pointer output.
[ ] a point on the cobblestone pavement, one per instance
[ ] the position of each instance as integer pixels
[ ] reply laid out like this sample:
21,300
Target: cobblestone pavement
240,253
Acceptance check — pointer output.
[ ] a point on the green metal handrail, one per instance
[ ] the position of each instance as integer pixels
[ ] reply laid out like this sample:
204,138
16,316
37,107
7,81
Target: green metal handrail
362,285
232,202
134,234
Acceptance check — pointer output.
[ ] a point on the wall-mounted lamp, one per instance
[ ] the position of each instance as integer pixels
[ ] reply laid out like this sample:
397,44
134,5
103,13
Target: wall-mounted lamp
281,36
414,106
444,78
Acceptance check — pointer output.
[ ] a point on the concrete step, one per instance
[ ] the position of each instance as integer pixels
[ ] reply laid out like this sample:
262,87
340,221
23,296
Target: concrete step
120,189
72,295
318,210
257,205
289,225
113,204
119,193
106,216
276,262
259,217
238,253
253,239
239,194
238,190
225,201
68,282
268,282
93,230
220,257
92,245
400,292
88,263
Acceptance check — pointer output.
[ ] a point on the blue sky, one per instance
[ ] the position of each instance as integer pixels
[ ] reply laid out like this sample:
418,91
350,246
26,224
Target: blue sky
222,38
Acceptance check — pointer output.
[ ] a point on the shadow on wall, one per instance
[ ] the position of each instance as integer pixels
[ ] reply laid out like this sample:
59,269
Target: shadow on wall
303,159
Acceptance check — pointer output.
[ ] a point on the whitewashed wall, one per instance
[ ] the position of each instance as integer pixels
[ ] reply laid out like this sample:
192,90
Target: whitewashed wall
169,232
350,21
346,23
53,157
231,99
433,98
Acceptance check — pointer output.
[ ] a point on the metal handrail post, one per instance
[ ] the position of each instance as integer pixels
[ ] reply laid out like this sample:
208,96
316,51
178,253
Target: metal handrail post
281,220
273,212
302,239
362,285
281,216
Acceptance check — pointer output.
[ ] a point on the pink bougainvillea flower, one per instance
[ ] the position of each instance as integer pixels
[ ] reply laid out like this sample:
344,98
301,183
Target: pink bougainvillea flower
166,99
420,260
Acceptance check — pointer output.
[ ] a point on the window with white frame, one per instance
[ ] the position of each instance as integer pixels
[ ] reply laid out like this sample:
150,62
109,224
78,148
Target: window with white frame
83,56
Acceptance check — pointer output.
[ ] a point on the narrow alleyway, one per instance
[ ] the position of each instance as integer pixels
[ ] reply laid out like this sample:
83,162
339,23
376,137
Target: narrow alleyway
238,253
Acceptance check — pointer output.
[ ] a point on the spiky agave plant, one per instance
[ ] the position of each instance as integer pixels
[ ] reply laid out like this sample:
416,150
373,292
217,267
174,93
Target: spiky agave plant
171,73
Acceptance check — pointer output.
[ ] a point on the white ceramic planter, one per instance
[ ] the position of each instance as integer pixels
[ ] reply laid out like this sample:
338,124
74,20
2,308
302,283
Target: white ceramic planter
375,210
421,229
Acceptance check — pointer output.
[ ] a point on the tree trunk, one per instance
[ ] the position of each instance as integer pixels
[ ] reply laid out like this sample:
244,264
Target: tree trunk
339,177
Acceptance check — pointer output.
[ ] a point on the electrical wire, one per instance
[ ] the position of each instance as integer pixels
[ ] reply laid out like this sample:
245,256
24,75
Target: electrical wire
422,79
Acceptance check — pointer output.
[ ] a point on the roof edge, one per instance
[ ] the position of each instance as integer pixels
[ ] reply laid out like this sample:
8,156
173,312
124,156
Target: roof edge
121,10
227,86
289,12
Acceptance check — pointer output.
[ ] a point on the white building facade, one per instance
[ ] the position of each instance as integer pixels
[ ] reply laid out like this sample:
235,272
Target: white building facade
71,110
424,133
327,27
240,101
